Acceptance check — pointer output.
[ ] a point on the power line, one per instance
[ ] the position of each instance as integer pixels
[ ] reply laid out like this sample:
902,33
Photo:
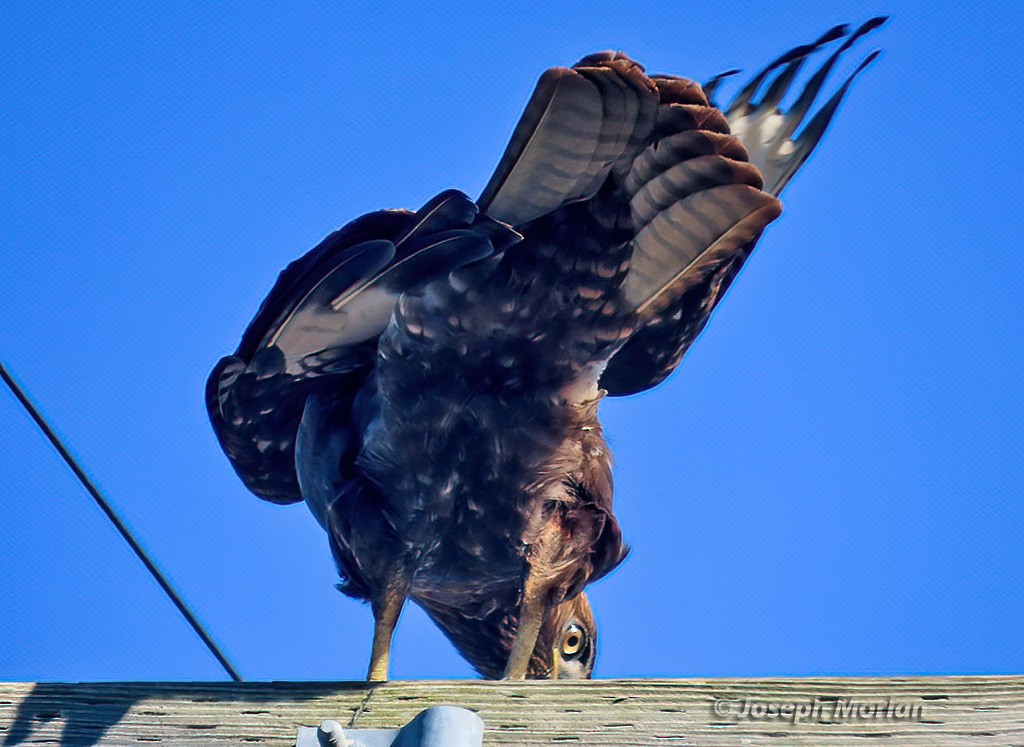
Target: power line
118,524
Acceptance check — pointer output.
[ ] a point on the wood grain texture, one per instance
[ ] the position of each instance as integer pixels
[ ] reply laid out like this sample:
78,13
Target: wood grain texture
926,711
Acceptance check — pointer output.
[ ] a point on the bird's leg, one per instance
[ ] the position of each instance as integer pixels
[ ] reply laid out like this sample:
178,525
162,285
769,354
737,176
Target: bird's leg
531,615
386,609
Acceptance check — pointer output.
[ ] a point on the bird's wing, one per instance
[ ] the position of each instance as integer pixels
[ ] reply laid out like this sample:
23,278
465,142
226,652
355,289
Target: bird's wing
766,130
759,133
657,144
319,325
579,123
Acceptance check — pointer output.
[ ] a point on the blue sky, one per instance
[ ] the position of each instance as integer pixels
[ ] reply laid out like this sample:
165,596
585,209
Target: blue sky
829,484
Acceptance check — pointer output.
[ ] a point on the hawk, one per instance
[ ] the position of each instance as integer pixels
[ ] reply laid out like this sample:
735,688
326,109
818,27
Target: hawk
428,382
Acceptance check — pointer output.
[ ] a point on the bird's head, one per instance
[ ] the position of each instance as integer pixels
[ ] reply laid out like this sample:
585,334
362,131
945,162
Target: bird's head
566,645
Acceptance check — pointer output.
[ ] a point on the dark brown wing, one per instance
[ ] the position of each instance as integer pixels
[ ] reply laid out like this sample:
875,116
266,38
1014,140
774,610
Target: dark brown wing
579,123
318,328
701,207
671,323
667,170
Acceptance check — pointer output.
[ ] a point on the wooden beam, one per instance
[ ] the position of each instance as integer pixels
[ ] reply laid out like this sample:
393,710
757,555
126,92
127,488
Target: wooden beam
924,711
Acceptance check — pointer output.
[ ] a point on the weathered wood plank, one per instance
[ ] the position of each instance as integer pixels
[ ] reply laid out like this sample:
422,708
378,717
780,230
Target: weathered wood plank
925,712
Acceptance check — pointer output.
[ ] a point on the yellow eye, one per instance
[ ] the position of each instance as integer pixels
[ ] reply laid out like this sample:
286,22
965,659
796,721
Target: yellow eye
573,639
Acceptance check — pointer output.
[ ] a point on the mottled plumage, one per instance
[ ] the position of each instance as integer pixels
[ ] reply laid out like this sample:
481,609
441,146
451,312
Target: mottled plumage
429,382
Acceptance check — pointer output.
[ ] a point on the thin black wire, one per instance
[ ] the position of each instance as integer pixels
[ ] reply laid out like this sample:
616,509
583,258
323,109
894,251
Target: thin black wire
116,521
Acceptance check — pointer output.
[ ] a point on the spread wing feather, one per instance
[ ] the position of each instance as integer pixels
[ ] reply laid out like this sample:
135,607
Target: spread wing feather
578,124
677,310
767,131
715,222
697,207
319,325
658,144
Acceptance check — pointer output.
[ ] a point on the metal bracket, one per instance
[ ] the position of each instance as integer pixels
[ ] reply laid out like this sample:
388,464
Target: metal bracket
440,726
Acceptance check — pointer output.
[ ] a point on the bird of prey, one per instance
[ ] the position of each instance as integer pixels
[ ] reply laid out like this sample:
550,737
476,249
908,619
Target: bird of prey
428,382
